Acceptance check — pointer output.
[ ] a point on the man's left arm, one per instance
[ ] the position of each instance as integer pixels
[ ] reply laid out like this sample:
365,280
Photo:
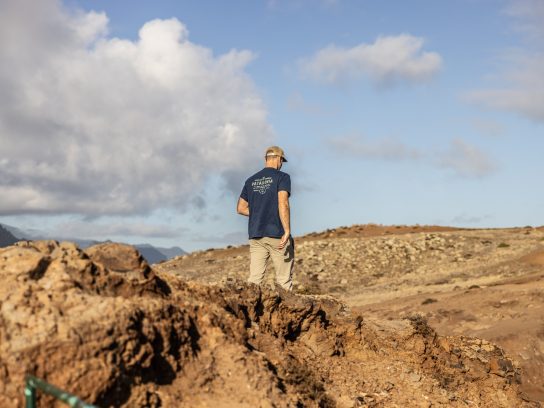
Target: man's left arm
285,217
242,207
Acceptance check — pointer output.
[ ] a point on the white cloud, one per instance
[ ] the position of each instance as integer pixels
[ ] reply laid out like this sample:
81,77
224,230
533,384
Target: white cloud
466,160
95,125
527,16
388,60
101,230
520,85
460,157
297,103
381,149
524,92
488,127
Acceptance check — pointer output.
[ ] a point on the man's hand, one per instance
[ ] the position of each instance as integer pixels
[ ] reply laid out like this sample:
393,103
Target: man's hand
284,240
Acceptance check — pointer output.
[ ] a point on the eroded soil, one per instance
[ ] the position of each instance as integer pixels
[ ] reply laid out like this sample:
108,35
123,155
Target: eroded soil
486,283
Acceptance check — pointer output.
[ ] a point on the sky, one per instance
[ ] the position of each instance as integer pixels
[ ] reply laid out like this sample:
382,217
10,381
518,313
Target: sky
139,121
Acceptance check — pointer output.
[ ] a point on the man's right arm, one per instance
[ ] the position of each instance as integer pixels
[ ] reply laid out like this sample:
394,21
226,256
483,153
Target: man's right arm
243,207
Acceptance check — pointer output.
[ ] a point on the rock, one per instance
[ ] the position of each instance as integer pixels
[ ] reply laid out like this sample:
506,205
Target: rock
23,263
118,258
444,344
414,377
501,367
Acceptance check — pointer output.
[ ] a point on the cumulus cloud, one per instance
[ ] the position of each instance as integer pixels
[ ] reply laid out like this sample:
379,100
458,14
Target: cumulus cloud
95,125
466,160
381,149
527,17
520,86
99,230
460,157
297,103
524,90
388,60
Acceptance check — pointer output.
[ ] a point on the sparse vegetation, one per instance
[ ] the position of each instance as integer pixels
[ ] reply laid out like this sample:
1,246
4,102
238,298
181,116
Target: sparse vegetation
503,245
420,325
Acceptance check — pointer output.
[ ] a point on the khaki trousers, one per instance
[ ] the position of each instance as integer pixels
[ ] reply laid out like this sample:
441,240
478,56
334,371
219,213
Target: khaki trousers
262,250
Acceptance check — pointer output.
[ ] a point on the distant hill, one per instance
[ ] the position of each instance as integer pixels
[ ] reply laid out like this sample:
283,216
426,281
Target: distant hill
10,235
155,255
171,252
6,237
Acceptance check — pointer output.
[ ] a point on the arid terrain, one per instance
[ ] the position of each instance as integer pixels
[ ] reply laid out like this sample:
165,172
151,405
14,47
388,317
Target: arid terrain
381,317
481,283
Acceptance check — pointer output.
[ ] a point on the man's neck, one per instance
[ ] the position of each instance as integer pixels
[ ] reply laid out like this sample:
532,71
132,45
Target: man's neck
270,166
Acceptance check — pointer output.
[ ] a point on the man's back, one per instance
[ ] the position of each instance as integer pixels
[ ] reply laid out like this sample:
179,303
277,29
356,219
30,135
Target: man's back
261,192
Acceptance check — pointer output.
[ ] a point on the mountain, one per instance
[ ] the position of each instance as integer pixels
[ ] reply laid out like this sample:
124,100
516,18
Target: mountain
26,234
149,252
156,254
6,237
171,252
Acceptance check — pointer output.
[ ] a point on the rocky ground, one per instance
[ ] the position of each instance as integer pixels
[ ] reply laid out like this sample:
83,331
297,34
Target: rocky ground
481,283
103,325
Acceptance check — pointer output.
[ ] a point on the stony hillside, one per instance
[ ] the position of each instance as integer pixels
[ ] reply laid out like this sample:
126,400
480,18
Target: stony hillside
102,324
484,283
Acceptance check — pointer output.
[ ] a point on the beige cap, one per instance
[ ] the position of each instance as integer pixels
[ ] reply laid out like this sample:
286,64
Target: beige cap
275,151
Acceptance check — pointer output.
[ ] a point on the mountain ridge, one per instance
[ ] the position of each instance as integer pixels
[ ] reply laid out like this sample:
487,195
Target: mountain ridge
151,253
6,237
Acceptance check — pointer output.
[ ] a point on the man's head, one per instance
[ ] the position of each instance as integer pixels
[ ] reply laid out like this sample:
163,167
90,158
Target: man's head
274,157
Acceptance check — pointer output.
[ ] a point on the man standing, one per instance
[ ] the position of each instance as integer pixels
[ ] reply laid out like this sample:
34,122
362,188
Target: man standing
265,200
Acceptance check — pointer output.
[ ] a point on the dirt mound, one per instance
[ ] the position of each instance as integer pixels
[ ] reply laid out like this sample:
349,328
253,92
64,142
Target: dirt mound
103,325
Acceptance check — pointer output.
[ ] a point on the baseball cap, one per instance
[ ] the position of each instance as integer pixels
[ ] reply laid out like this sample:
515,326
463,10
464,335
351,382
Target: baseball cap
275,151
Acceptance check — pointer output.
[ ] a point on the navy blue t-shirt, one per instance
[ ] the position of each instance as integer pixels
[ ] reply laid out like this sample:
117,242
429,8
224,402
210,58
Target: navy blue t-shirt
261,192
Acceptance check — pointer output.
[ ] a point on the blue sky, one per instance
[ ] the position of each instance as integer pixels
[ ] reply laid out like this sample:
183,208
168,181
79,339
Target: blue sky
139,121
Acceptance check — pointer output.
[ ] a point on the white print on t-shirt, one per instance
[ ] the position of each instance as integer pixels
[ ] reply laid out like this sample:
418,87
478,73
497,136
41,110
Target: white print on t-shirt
262,185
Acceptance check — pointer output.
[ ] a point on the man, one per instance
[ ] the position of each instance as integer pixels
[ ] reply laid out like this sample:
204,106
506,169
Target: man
265,200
